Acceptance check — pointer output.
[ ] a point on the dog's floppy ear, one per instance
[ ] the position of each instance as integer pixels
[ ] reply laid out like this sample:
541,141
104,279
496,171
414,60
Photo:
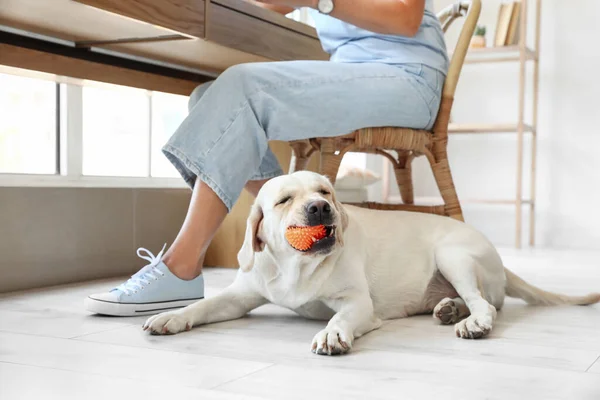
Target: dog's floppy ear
252,242
339,233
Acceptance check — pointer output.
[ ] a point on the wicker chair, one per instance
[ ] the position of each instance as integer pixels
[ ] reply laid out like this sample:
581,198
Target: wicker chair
406,143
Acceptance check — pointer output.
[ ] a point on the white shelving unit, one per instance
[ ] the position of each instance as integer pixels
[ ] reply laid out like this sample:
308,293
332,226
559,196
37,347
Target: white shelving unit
523,55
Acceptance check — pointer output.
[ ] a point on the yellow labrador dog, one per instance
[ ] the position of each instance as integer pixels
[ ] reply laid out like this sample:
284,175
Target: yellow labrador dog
370,266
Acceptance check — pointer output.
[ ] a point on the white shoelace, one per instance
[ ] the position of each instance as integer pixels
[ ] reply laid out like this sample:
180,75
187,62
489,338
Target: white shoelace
144,276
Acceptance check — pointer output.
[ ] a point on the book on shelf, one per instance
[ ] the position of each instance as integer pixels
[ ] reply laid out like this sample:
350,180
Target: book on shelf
514,26
507,27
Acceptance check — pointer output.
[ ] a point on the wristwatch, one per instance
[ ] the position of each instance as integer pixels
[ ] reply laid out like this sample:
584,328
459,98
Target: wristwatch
325,6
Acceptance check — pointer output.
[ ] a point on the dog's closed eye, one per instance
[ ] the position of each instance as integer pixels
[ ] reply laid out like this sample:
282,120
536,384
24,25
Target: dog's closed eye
283,200
324,192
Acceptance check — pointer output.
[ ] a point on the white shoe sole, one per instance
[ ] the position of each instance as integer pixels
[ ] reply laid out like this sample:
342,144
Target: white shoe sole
134,309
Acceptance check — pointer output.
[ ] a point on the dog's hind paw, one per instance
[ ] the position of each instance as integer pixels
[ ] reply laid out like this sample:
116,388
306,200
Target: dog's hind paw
332,341
446,311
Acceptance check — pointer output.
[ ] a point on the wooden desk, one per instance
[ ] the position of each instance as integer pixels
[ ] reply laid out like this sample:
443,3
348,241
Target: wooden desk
194,36
164,45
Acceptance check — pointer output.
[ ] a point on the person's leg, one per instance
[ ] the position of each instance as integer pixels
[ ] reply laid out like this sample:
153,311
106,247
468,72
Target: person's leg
205,214
185,257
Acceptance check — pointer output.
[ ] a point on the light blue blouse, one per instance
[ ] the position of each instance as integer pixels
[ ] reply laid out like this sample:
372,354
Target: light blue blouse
348,43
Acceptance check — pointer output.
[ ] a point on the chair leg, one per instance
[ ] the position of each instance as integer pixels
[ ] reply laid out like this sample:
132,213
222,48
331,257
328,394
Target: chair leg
404,177
443,178
330,164
301,152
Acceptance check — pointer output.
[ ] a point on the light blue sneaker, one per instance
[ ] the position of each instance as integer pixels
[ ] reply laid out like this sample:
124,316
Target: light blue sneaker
151,290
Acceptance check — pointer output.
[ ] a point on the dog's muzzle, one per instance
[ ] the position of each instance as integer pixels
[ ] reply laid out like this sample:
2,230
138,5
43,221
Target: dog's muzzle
319,212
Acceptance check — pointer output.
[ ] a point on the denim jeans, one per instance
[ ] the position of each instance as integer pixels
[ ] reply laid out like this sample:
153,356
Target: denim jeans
224,139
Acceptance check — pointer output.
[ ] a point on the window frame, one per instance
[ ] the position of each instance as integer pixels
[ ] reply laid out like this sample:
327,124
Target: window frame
69,143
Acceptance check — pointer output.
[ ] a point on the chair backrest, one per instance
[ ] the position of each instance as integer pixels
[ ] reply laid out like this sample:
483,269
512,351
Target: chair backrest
472,9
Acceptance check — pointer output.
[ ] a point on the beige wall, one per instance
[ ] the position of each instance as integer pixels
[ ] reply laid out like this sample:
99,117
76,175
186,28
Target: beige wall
58,235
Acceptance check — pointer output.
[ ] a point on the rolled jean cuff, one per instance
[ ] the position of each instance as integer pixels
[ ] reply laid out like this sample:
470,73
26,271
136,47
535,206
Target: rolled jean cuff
190,172
267,175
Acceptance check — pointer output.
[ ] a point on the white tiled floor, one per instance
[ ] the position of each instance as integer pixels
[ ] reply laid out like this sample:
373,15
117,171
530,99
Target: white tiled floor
50,348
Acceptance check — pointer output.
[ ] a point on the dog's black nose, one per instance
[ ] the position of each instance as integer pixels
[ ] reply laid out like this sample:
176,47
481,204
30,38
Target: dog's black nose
318,210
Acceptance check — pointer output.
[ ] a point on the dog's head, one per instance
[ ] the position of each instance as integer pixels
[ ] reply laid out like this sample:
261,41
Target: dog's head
296,200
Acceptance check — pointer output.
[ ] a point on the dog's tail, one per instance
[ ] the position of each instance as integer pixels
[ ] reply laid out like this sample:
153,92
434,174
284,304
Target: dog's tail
517,287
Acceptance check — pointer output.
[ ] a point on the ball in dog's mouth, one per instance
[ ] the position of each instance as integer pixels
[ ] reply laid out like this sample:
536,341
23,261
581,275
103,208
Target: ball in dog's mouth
305,238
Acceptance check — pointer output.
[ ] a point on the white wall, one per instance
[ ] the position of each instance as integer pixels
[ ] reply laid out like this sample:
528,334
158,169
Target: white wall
568,184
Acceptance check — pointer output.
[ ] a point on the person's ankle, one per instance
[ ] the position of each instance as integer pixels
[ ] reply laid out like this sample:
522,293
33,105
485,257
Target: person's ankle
182,270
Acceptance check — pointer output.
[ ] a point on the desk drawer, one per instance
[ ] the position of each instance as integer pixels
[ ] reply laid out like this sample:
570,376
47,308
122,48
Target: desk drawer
232,28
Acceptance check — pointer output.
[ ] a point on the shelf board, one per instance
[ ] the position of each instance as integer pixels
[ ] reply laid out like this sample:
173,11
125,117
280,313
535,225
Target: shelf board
487,128
498,54
438,200
494,201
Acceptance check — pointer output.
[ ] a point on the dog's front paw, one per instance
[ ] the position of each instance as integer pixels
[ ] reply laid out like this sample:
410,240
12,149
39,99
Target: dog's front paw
168,323
474,327
332,341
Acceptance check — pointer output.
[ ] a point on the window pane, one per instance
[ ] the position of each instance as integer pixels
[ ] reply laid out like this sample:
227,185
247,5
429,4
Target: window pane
168,111
115,131
27,125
